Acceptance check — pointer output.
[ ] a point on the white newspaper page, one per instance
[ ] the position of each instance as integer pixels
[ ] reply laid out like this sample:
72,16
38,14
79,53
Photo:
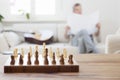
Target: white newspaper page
81,22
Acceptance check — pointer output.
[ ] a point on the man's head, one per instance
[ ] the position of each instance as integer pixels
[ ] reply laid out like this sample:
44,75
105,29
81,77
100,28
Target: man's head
77,8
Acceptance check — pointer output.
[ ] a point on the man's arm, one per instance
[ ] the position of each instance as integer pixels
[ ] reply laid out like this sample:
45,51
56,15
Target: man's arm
67,29
98,26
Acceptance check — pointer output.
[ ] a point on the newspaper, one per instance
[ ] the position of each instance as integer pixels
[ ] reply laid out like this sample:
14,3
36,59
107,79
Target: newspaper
83,22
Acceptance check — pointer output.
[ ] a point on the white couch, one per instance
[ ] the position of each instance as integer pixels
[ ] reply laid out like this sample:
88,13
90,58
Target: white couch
59,39
113,43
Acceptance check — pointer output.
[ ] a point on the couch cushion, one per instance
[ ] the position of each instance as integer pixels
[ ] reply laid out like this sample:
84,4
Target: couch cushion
61,32
101,47
12,38
3,43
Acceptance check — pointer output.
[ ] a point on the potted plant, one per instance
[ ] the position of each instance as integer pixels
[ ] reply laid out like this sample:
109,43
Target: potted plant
27,15
1,26
1,18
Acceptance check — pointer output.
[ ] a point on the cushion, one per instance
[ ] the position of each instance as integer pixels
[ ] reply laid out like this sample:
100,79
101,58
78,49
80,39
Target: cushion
12,38
61,32
3,43
118,31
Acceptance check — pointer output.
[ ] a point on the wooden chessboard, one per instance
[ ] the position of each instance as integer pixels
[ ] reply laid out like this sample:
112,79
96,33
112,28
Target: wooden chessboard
41,68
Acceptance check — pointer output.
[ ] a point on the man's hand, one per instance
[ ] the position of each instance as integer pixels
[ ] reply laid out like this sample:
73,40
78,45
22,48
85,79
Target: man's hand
67,29
98,26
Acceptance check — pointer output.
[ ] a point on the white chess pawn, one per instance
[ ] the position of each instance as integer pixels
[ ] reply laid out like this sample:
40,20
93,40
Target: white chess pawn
22,52
15,53
43,52
58,53
36,48
30,51
44,45
65,53
50,53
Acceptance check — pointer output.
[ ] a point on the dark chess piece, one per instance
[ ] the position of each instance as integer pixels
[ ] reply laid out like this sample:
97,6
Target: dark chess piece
46,60
46,52
21,60
36,58
61,59
53,61
29,59
70,61
12,60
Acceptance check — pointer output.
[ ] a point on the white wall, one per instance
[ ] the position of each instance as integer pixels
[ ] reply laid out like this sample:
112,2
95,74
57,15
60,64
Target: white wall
109,12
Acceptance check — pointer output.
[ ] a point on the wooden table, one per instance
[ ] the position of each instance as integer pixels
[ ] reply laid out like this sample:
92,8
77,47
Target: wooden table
92,67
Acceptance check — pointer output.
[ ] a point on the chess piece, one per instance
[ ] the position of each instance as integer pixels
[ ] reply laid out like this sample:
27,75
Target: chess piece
44,45
36,52
15,53
70,61
61,59
29,59
22,52
50,53
46,52
46,57
43,54
58,53
53,61
36,58
46,60
36,48
65,53
12,60
30,51
21,60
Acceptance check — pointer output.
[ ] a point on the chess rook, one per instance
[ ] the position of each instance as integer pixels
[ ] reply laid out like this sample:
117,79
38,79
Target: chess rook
12,60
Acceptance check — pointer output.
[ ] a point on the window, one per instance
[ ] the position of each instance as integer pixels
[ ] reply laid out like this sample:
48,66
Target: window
19,6
45,7
37,9
42,7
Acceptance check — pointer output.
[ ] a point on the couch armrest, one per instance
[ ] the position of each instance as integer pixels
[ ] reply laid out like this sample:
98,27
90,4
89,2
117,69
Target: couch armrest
112,43
3,43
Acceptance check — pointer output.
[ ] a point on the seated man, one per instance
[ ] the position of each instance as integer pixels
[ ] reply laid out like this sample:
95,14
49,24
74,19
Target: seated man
82,39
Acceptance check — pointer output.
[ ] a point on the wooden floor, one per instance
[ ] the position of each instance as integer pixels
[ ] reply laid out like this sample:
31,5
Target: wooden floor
92,67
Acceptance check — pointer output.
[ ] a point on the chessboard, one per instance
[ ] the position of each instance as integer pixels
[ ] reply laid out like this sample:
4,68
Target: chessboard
47,62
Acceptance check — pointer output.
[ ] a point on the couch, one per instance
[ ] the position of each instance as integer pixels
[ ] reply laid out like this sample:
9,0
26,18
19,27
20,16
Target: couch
113,43
10,40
